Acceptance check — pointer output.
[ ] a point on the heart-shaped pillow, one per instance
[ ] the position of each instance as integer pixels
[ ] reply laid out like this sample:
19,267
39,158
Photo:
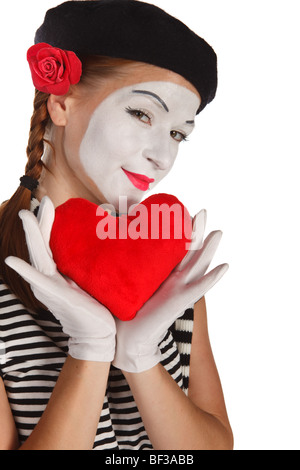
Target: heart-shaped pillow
120,261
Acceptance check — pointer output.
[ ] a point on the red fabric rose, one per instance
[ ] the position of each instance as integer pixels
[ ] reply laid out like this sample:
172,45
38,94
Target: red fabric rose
53,70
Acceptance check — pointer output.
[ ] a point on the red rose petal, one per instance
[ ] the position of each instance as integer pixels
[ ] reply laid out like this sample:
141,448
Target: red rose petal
53,70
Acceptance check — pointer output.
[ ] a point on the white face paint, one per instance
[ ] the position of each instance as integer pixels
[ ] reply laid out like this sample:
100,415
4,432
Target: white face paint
132,138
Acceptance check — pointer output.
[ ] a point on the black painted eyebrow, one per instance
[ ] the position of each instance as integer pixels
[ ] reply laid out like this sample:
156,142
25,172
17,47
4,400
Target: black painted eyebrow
190,122
158,98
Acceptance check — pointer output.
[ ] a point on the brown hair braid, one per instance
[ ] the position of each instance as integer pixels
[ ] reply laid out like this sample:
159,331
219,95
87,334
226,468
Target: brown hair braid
12,238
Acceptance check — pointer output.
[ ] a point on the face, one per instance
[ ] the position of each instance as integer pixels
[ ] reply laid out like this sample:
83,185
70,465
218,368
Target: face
121,138
133,138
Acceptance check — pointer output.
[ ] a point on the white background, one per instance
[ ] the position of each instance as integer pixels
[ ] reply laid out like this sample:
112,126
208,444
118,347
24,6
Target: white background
241,164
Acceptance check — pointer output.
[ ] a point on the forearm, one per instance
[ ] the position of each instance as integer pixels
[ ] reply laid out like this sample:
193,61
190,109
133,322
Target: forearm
70,420
171,419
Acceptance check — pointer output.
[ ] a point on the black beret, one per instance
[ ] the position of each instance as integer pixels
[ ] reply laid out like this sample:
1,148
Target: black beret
132,30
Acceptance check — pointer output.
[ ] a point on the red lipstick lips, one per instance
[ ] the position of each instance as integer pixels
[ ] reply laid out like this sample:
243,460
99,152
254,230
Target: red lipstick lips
139,181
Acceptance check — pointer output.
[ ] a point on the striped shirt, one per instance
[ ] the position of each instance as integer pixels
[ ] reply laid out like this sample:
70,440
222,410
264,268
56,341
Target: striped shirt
33,349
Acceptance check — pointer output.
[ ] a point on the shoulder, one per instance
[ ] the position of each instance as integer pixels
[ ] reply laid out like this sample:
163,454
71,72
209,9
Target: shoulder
8,302
15,320
10,305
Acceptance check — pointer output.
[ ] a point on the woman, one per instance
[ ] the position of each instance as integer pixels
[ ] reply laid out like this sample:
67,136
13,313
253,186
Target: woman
109,115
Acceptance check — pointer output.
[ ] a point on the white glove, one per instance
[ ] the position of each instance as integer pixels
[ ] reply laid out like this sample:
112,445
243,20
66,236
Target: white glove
137,340
89,324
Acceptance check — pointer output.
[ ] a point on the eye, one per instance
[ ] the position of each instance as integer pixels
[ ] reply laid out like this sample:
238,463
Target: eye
178,136
139,114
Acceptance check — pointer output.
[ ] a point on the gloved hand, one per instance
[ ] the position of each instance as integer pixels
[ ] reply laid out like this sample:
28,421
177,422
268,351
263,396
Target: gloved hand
137,340
89,324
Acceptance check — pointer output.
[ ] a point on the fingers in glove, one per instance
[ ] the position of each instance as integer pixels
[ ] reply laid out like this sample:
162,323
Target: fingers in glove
27,272
38,253
199,223
201,286
198,229
45,218
202,258
43,286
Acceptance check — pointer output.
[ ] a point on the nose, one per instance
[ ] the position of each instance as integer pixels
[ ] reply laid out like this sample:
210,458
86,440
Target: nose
160,152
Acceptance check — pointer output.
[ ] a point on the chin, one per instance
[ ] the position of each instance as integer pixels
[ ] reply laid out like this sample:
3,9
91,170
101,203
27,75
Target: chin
123,202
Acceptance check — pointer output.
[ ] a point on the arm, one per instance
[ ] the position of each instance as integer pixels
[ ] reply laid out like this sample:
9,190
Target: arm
175,421
72,415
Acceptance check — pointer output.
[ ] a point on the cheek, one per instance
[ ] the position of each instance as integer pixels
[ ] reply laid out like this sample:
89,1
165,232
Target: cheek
91,147
118,140
111,142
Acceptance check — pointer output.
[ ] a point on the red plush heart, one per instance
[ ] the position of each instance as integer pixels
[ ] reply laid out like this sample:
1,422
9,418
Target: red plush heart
121,261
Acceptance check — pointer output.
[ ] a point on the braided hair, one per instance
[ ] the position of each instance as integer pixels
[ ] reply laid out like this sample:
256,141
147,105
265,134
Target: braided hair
12,237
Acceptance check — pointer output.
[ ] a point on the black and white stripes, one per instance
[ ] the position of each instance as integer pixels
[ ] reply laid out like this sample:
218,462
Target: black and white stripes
182,331
33,351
